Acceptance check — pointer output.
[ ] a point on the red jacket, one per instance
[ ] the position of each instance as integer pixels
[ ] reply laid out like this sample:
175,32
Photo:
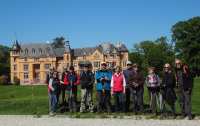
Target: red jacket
118,82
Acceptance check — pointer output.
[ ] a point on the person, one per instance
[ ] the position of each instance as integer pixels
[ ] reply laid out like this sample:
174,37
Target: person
184,82
71,91
118,89
52,89
49,75
129,72
153,85
64,83
167,89
86,81
103,79
137,89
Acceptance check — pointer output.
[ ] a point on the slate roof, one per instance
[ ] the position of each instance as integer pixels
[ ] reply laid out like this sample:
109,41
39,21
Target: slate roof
37,50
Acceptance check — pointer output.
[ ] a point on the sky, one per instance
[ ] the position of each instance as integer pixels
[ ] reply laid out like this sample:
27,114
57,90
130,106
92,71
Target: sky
86,23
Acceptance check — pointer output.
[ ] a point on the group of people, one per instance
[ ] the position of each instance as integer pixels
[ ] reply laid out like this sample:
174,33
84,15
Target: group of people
126,87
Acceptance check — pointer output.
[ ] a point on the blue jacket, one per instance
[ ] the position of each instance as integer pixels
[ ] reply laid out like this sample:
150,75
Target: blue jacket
105,84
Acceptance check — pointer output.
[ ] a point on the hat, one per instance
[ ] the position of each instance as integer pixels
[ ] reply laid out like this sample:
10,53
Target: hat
86,65
129,63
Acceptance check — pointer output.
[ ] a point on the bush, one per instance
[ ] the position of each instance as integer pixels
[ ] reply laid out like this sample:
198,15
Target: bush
16,81
4,80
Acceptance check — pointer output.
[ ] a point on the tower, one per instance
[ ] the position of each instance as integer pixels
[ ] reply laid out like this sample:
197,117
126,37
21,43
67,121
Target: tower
14,65
67,55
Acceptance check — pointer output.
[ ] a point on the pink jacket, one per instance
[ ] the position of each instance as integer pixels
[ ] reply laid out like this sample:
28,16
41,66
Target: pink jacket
118,82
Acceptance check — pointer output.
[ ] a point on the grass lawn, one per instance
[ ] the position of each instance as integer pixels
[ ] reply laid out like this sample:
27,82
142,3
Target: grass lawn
34,100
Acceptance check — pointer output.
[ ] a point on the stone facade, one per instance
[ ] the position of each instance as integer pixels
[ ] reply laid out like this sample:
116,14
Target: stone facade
31,62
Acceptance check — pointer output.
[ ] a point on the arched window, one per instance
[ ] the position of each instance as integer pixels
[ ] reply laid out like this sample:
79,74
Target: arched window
26,51
33,51
40,50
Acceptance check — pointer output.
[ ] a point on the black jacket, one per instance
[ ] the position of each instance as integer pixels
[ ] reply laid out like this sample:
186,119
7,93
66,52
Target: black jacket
168,80
87,80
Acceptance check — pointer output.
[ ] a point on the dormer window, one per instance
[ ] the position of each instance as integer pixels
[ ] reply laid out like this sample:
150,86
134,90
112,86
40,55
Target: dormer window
33,51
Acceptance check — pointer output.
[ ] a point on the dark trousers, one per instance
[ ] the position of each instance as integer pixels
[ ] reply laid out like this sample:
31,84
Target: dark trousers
58,93
119,102
72,99
63,91
127,99
185,102
137,98
168,97
103,101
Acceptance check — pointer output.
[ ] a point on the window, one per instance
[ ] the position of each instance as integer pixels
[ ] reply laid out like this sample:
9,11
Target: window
96,64
25,67
15,67
124,63
33,51
25,76
26,51
47,66
40,50
47,50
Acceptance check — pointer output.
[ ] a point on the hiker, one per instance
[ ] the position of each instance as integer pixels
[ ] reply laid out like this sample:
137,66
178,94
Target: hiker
103,78
118,89
52,89
167,89
184,82
64,83
127,74
153,85
137,89
86,81
71,91
49,74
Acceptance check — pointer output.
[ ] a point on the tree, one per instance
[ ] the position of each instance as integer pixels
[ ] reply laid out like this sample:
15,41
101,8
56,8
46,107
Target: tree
152,53
186,35
4,60
58,42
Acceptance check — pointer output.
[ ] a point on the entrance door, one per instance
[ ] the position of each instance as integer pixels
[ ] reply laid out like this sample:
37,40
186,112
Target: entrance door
36,73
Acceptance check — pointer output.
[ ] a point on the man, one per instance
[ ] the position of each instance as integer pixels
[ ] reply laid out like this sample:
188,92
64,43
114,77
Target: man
167,89
64,82
137,89
71,91
103,78
184,82
86,81
129,72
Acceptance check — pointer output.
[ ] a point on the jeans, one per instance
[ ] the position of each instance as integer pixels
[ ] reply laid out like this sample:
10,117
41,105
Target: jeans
53,102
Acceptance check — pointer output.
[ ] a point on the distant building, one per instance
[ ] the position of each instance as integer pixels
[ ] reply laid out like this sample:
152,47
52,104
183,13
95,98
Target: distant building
30,63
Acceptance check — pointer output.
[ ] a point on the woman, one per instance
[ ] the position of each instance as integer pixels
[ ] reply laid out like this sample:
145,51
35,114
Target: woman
118,87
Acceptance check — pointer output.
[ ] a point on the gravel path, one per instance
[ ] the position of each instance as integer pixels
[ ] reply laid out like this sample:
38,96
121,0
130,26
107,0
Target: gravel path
15,120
